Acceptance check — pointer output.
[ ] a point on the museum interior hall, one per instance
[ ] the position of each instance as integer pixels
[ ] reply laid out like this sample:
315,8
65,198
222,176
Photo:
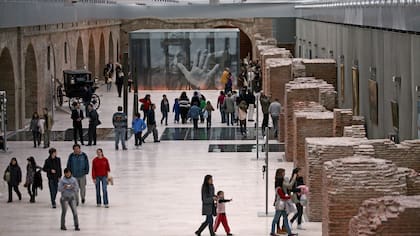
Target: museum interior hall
235,117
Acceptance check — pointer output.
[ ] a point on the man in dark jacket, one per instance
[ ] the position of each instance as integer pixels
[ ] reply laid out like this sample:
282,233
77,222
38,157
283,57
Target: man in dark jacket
78,163
93,122
151,125
52,166
77,117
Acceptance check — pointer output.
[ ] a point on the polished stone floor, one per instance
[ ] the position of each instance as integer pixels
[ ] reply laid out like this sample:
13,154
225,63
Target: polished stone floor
157,186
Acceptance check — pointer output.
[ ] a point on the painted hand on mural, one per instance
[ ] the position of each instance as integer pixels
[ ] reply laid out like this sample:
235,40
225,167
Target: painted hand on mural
200,75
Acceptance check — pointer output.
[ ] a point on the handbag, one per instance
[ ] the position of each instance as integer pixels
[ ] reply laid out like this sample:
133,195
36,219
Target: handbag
290,207
279,203
6,176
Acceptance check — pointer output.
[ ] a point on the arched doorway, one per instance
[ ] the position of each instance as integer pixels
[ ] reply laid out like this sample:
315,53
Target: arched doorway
111,48
79,54
31,82
245,44
7,83
91,56
102,53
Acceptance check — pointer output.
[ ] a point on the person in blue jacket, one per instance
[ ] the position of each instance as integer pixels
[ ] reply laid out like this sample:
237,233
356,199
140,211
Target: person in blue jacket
78,164
194,113
138,127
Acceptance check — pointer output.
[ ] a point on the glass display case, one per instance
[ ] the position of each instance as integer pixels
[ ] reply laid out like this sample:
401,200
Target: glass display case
183,58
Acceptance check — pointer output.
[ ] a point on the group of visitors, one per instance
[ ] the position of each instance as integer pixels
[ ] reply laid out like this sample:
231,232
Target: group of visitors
71,185
119,77
41,126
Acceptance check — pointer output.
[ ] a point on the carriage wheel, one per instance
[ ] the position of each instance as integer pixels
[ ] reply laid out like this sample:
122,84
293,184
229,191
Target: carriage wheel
71,100
96,101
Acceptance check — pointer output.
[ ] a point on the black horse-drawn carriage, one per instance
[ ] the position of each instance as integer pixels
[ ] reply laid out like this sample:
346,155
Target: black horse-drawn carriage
79,86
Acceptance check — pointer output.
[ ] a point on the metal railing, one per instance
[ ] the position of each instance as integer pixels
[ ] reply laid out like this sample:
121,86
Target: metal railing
353,3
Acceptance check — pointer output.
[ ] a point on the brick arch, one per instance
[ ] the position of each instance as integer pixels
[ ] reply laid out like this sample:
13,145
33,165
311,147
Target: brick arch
7,83
80,63
91,56
31,82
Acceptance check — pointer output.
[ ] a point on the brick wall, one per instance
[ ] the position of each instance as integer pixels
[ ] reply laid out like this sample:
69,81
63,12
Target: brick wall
342,118
350,181
278,73
309,124
356,131
318,151
324,69
388,215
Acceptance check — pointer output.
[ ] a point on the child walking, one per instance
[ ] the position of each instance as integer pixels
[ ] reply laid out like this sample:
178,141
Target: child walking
138,125
175,109
221,212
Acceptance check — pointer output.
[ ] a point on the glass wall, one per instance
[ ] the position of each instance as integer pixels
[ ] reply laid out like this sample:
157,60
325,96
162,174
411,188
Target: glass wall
183,58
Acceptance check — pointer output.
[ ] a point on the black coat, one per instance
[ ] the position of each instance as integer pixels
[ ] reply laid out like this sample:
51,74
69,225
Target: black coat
15,175
75,115
53,164
208,201
151,120
93,117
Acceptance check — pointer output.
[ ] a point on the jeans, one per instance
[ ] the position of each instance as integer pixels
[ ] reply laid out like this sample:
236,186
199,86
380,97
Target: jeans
32,192
120,135
223,115
242,124
16,189
195,122
77,128
150,129
137,138
208,124
298,214
276,218
104,181
53,185
231,115
72,203
209,222
47,134
92,134
82,188
119,89
275,125
108,86
36,137
164,118
264,122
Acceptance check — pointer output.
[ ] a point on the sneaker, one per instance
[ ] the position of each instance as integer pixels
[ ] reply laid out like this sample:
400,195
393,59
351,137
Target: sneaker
83,201
63,228
229,234
54,206
157,141
106,206
98,205
77,228
197,233
300,227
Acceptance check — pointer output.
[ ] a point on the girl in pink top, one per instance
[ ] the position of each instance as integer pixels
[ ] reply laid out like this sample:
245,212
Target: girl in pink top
221,212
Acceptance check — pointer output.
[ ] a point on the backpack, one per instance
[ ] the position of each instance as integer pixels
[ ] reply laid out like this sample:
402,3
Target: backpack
38,179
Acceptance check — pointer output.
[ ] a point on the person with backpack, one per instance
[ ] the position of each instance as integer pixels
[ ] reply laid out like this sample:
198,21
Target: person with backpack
32,181
52,166
13,177
78,164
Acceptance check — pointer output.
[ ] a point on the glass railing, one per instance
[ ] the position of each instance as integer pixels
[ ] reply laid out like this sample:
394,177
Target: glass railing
352,3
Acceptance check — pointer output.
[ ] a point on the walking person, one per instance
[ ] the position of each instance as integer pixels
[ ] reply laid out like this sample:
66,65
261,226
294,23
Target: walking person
52,166
194,113
265,104
274,109
78,164
176,110
229,106
208,205
34,128
119,79
93,116
100,170
49,122
296,197
221,213
69,188
250,99
243,107
219,105
13,177
31,169
151,125
138,126
164,108
146,104
119,120
77,117
184,106
209,109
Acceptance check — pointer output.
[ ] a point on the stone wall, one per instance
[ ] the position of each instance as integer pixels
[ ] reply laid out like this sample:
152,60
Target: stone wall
413,183
318,151
387,216
324,69
342,118
356,131
350,181
278,72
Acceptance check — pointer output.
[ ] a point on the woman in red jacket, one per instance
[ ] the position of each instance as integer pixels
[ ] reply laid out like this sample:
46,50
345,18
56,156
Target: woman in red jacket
100,169
146,105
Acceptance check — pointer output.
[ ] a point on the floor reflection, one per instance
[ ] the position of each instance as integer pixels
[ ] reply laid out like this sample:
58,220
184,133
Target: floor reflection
217,133
103,134
244,148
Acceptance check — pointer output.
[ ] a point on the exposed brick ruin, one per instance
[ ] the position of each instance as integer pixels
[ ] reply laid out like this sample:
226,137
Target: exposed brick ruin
413,183
324,69
303,90
350,181
279,73
355,131
318,151
388,215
